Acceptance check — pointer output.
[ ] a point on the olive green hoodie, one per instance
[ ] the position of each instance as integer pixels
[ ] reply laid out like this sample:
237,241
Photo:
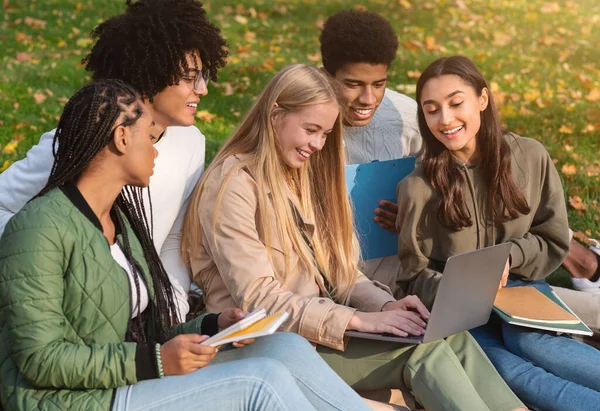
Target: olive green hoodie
540,239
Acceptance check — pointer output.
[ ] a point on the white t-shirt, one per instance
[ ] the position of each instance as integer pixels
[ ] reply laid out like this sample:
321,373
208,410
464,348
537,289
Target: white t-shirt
392,133
121,259
177,169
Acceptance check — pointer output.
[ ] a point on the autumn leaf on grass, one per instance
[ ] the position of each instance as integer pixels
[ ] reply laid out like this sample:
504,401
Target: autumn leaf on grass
83,42
569,169
36,23
501,39
10,147
241,20
577,203
407,88
39,97
206,116
413,74
405,4
593,169
22,56
564,129
314,57
550,8
593,95
6,164
589,128
531,95
227,89
21,37
413,45
429,43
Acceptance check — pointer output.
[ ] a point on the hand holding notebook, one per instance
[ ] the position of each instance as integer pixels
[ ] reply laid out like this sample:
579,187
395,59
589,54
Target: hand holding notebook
256,324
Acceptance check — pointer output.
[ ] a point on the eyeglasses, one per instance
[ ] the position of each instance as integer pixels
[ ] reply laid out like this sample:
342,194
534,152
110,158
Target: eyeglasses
197,79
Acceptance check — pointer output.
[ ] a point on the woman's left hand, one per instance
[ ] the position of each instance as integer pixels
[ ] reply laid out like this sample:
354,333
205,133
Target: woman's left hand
230,316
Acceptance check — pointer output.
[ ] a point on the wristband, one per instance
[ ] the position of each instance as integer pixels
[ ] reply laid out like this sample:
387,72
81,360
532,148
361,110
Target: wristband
159,366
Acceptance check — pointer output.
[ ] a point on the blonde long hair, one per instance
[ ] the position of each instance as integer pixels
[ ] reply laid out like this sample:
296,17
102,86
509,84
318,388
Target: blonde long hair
320,184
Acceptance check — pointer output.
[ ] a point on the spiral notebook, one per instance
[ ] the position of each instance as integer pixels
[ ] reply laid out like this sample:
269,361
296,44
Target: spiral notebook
256,324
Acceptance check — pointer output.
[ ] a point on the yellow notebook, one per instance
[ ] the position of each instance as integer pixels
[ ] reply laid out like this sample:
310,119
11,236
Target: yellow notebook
528,303
257,324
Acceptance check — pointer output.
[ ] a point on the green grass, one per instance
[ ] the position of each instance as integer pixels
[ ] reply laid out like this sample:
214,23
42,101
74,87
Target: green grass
540,57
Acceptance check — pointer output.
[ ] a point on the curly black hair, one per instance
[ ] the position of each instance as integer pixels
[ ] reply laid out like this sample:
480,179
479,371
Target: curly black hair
146,46
353,36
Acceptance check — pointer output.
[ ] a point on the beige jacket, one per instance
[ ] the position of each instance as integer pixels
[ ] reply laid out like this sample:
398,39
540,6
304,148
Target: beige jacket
233,267
540,239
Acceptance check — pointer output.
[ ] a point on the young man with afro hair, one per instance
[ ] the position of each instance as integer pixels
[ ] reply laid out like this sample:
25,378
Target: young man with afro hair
358,48
167,50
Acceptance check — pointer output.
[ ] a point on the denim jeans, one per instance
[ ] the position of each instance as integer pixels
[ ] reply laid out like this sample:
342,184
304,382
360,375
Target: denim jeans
278,372
547,371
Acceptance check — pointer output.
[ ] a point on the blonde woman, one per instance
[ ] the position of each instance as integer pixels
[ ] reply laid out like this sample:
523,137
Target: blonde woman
270,226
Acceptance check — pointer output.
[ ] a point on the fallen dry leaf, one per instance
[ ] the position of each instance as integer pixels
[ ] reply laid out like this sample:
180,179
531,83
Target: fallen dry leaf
564,129
569,169
577,203
206,116
21,37
36,23
23,56
241,19
314,57
414,45
413,74
429,43
550,8
10,147
39,97
227,89
593,95
461,4
405,4
6,164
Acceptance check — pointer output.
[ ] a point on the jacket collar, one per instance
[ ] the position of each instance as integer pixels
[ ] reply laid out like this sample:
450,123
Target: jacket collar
71,191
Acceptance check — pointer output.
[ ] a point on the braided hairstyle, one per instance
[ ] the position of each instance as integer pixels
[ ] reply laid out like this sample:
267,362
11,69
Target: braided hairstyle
146,46
85,128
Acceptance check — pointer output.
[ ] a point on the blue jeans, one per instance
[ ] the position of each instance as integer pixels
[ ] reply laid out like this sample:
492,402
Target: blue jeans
278,372
547,371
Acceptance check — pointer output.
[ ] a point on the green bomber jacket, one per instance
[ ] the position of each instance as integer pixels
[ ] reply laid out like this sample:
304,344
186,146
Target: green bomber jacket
65,308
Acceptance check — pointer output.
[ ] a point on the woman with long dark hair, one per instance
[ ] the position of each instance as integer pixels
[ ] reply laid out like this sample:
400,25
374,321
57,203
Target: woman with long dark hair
479,185
88,319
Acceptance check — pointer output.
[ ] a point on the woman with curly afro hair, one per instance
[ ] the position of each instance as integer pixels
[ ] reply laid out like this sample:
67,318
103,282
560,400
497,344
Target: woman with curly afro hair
167,50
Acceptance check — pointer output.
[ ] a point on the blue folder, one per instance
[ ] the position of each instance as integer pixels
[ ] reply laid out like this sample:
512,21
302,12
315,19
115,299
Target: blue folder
367,185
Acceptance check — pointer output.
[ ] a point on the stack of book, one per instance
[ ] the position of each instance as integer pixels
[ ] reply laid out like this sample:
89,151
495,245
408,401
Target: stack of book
544,310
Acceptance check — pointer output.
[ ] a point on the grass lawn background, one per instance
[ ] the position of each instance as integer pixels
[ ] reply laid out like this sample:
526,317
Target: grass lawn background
540,57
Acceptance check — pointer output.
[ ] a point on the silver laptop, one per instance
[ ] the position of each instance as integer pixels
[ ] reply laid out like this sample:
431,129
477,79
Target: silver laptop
464,298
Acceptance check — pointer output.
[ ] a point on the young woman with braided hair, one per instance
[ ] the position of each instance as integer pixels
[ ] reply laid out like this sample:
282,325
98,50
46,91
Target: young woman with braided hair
88,315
